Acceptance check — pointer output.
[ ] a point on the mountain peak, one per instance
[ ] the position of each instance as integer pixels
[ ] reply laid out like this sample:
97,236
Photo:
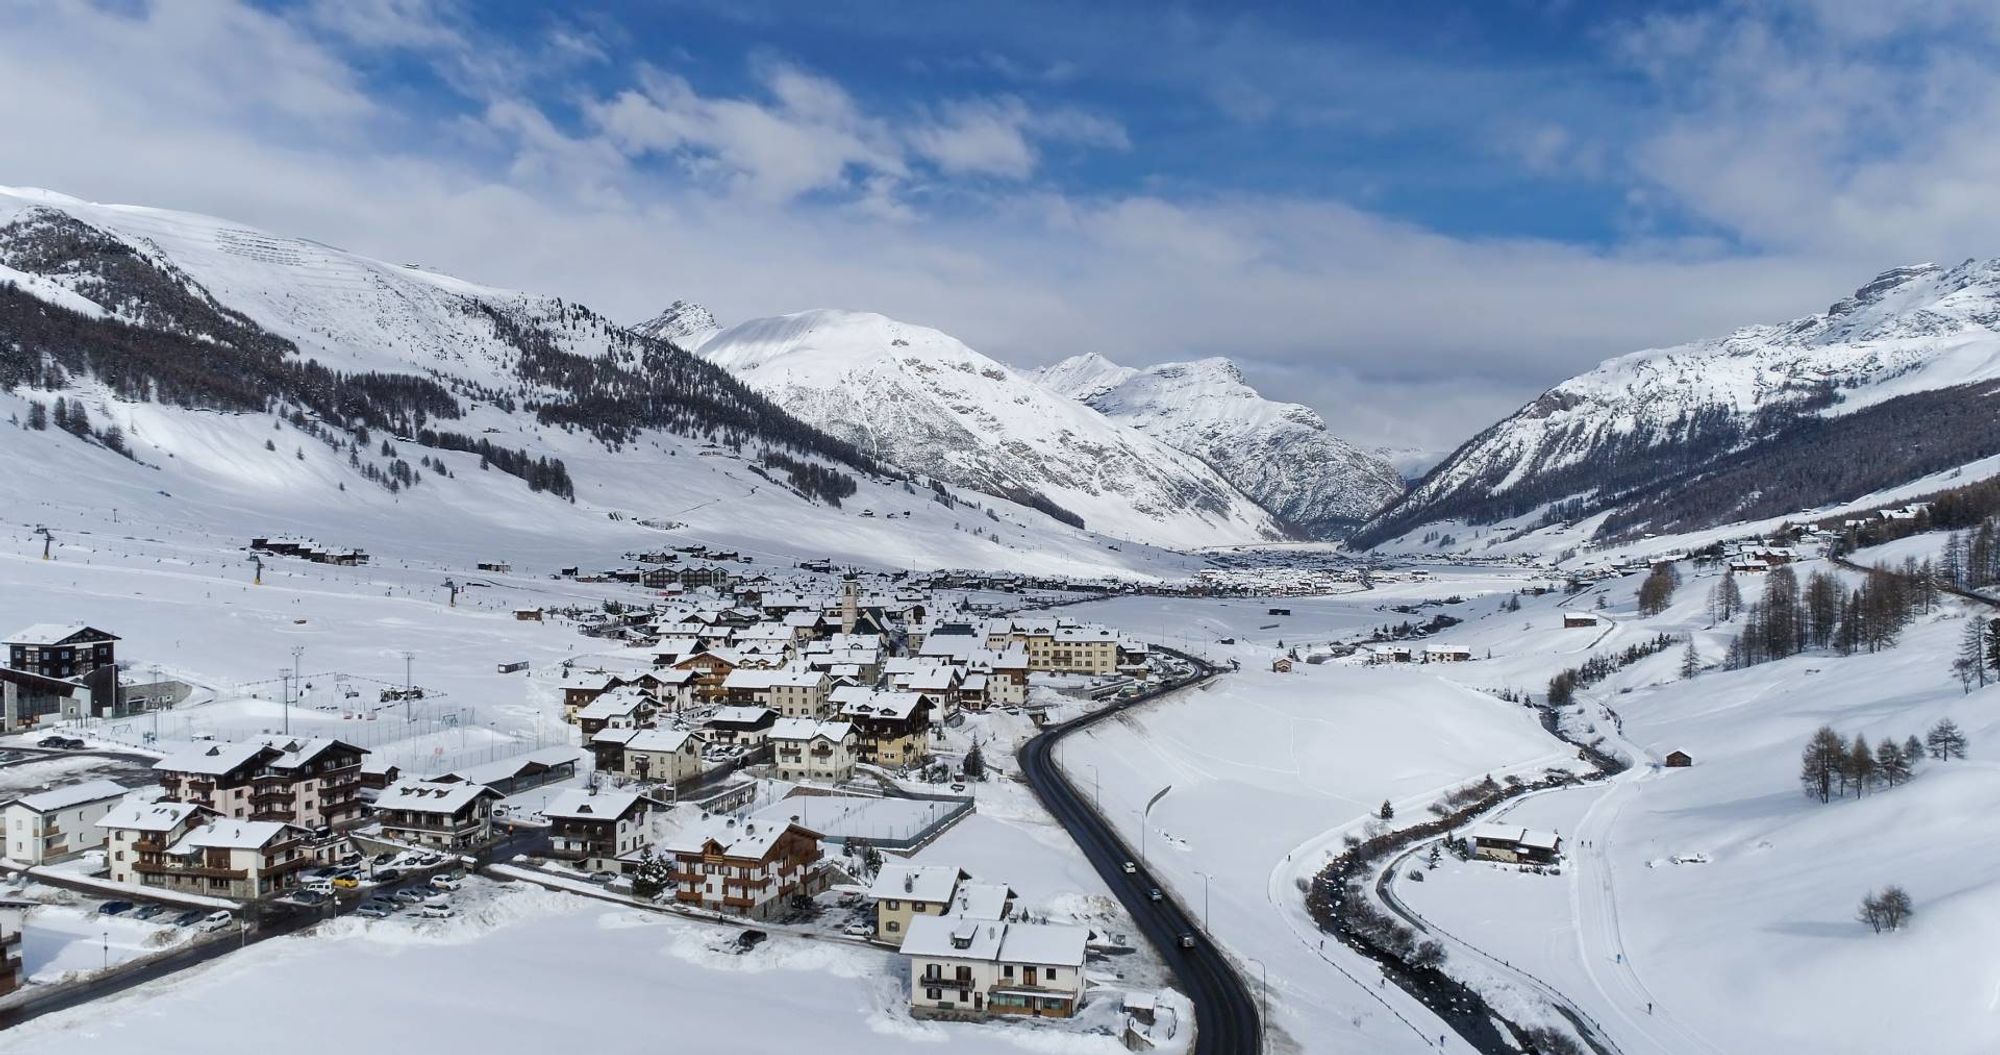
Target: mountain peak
684,322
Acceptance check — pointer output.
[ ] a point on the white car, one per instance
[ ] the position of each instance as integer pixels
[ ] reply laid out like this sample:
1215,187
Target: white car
438,912
218,919
1131,869
446,883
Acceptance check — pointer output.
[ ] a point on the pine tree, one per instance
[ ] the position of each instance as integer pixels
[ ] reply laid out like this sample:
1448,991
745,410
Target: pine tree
1889,762
1971,664
1945,741
1387,812
38,416
975,763
1690,660
1860,770
1820,763
1913,753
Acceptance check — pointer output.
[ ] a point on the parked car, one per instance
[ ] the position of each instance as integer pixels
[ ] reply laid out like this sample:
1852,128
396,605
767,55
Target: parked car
113,908
217,920
311,897
750,939
410,895
446,882
387,875
342,882
317,885
603,877
63,742
148,911
858,930
189,918
373,911
438,912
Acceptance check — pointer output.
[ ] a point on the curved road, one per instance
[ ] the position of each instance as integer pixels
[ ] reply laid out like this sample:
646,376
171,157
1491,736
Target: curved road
1226,1018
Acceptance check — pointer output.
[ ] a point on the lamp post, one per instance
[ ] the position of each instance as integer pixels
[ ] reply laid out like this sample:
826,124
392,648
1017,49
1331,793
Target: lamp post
1145,820
1205,877
1264,1002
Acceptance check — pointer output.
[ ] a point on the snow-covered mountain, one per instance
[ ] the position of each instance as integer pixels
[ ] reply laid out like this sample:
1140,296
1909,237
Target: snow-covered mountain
1279,454
686,324
1892,383
239,381
919,399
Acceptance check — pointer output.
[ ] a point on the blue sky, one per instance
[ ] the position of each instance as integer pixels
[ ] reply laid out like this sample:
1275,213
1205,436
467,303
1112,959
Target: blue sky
1414,217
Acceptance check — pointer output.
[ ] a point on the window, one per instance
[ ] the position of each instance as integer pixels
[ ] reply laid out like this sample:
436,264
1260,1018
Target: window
893,926
1008,970
934,993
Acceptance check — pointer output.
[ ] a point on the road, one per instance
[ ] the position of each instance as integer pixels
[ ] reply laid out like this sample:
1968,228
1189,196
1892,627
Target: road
1226,1017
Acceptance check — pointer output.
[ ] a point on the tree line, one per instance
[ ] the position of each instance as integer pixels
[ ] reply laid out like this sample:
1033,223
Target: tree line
1562,687
1830,766
1789,618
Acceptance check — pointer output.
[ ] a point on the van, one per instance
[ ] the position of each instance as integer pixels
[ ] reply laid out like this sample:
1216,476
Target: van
320,885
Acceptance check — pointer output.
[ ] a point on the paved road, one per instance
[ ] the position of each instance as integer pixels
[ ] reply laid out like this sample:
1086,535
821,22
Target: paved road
1226,1018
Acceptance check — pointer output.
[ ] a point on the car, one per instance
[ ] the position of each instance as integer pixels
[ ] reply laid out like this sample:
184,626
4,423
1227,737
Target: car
428,858
1131,869
343,882
383,858
603,877
318,886
1187,941
410,895
750,939
958,787
1154,894
310,897
350,859
858,930
58,742
373,912
446,883
113,908
189,918
217,920
148,911
387,875
438,912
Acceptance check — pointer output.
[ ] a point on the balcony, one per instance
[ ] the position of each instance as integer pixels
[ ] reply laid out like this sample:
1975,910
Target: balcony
193,871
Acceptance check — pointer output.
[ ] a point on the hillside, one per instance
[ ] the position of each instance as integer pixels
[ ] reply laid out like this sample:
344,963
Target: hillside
1892,383
916,398
238,381
1282,455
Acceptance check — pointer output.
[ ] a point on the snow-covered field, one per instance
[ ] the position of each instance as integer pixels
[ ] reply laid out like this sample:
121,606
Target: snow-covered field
527,969
1718,895
1267,771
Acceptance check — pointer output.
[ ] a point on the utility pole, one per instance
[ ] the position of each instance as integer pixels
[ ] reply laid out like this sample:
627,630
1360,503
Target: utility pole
48,539
285,686
258,563
408,658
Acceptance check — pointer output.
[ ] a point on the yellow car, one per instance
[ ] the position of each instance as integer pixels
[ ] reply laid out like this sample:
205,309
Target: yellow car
346,882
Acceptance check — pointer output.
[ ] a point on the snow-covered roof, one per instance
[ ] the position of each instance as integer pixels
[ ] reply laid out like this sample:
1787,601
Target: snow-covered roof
210,759
233,835
804,729
73,795
49,633
957,938
150,816
579,804
747,716
423,796
933,883
750,840
661,740
885,705
981,901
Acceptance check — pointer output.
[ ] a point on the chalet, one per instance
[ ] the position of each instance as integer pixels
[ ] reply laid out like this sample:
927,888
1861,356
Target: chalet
806,749
746,727
594,829
1281,665
61,650
1513,844
579,687
138,833
314,784
235,859
1446,654
1383,654
710,668
894,727
1580,621
746,868
941,682
54,824
625,707
1679,760
902,892
1749,566
453,816
794,691
975,968
661,756
528,615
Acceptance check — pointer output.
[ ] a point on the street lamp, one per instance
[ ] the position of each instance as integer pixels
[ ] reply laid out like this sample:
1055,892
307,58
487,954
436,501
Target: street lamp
1145,821
1264,1003
1205,877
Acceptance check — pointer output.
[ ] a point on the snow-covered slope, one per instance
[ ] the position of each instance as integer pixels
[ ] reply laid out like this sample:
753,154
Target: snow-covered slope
1280,454
1886,385
914,397
686,324
232,431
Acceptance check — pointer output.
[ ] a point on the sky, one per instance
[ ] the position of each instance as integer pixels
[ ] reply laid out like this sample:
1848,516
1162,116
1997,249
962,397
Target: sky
1414,217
